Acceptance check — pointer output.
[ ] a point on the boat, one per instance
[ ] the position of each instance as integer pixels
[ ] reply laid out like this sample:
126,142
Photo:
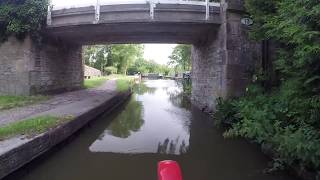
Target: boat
169,170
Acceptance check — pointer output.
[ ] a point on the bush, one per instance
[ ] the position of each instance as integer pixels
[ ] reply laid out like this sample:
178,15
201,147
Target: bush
285,119
110,70
226,112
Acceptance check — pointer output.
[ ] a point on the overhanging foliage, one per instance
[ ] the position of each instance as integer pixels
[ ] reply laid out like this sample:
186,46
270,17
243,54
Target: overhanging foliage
287,118
21,17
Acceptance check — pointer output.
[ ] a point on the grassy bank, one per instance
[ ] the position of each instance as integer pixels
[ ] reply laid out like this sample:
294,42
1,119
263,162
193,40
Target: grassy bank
98,81
94,82
124,83
8,102
31,127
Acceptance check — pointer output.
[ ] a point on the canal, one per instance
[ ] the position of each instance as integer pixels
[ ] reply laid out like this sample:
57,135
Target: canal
157,123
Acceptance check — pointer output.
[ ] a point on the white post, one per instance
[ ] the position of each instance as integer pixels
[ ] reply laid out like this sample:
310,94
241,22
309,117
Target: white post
207,10
49,15
97,12
152,6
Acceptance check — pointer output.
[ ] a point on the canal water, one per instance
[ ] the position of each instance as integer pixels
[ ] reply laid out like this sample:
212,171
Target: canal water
157,123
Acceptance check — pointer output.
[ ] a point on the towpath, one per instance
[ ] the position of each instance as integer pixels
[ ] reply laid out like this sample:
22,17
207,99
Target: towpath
61,104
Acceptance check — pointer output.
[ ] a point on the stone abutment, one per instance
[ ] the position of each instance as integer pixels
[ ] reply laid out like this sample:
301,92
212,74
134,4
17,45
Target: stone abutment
28,68
222,66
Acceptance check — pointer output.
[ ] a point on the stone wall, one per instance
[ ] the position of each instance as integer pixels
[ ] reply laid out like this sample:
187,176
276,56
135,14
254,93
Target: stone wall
28,68
207,74
56,68
222,65
15,58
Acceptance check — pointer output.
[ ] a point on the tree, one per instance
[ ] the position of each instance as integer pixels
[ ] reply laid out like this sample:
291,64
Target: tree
180,58
121,58
22,17
96,56
124,55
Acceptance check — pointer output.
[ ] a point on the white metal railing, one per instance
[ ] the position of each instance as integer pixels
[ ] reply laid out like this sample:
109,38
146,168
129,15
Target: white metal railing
49,19
152,4
97,12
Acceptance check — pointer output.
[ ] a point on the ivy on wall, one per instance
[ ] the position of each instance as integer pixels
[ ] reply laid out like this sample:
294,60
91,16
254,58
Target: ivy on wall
295,25
22,17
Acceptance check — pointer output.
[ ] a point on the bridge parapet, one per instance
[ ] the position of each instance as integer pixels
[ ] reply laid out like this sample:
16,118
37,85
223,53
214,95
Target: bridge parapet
135,11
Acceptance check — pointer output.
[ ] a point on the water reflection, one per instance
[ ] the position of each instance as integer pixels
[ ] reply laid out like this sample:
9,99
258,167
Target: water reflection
177,98
128,121
172,146
150,123
142,88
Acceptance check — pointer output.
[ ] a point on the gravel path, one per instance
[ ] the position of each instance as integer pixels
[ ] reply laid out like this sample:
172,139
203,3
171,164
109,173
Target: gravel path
16,114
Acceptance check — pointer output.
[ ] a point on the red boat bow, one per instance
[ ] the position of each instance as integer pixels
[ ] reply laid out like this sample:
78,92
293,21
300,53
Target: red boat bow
169,170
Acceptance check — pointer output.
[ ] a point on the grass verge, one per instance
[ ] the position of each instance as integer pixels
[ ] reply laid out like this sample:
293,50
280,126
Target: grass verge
31,127
8,102
124,84
94,82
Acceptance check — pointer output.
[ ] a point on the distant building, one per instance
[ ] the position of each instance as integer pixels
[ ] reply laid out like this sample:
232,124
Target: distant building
90,72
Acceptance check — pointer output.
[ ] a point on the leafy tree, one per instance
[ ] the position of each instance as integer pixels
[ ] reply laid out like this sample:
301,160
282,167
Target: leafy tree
295,24
181,57
124,55
121,58
96,56
22,17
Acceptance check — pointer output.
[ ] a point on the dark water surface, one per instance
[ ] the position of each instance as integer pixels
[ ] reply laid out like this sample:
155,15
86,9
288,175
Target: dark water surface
157,123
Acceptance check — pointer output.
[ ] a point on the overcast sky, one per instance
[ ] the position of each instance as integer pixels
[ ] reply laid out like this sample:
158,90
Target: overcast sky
158,52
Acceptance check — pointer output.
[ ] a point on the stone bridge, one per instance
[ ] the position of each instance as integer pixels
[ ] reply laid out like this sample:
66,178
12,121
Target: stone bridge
222,55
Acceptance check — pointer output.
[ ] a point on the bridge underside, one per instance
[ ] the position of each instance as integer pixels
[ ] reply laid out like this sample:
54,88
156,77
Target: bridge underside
222,55
181,33
170,23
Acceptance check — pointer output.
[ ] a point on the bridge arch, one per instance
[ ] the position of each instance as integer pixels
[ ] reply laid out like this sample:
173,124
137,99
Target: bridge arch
221,53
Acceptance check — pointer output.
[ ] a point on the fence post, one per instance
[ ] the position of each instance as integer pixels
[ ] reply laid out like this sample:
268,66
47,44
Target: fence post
152,6
97,12
49,15
207,10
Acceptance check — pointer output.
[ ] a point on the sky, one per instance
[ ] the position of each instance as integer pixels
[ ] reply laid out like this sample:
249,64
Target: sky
156,52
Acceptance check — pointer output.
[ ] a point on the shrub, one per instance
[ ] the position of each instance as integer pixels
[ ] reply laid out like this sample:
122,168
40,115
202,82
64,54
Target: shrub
285,119
226,112
110,70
